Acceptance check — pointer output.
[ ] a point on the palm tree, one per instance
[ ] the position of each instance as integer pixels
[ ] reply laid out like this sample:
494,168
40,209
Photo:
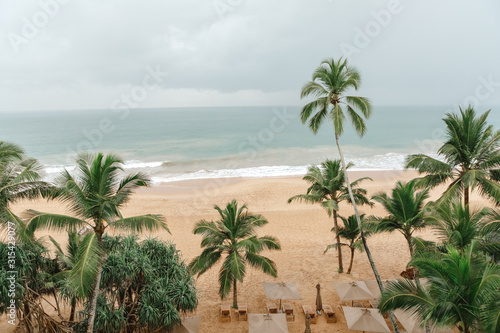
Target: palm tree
330,82
462,289
67,263
95,195
9,151
234,235
349,231
328,188
469,158
458,226
491,230
406,209
19,180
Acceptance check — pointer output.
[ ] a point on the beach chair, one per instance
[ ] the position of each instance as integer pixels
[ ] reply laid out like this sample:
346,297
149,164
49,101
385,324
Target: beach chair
288,311
308,309
358,305
242,311
271,307
225,313
330,315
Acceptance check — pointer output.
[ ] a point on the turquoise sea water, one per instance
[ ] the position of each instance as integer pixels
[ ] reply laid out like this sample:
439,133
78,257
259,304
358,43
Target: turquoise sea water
188,143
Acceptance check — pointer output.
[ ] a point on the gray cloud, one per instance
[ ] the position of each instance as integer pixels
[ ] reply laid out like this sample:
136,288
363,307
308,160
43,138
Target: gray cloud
257,52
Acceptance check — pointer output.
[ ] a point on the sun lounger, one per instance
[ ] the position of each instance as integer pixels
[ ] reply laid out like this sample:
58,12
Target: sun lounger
225,313
242,311
330,315
271,307
358,305
288,311
308,309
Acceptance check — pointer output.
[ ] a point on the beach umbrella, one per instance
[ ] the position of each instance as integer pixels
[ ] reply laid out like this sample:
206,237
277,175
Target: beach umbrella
411,323
319,302
353,291
308,323
373,286
188,325
267,323
366,320
281,290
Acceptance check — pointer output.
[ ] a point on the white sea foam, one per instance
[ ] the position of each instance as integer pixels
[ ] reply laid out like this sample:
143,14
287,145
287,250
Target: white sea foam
390,161
52,169
134,164
256,172
161,174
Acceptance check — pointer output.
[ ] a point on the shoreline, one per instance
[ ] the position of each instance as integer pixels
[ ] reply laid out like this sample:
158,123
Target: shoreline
197,185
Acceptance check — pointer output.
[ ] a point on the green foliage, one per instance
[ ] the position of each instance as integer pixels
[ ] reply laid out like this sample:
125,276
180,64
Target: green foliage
94,193
233,235
350,231
469,159
328,187
32,279
461,289
143,285
331,80
19,180
458,226
406,210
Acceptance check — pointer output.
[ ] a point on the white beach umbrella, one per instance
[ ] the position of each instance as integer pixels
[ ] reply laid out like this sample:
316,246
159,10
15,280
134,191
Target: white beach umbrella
267,323
373,286
366,320
412,324
281,290
353,291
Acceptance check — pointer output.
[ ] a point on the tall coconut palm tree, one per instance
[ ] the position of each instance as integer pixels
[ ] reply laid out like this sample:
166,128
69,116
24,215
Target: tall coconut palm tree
328,188
469,159
233,235
350,232
462,289
406,209
95,195
330,83
19,180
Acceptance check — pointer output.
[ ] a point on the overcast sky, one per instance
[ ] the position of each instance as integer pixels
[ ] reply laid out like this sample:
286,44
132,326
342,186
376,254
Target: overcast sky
71,54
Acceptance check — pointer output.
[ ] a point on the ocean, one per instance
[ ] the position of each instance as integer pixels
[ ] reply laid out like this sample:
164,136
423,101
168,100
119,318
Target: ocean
174,144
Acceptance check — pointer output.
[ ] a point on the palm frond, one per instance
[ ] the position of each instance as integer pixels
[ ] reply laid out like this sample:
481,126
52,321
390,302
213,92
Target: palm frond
138,224
90,256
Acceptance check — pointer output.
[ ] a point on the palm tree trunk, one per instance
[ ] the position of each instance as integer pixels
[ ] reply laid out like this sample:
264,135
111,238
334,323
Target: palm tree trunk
339,248
352,259
408,239
235,295
358,218
466,197
73,308
57,304
95,294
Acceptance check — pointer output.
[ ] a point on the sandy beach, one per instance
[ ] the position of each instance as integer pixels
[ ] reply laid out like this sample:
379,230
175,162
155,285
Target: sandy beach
303,230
